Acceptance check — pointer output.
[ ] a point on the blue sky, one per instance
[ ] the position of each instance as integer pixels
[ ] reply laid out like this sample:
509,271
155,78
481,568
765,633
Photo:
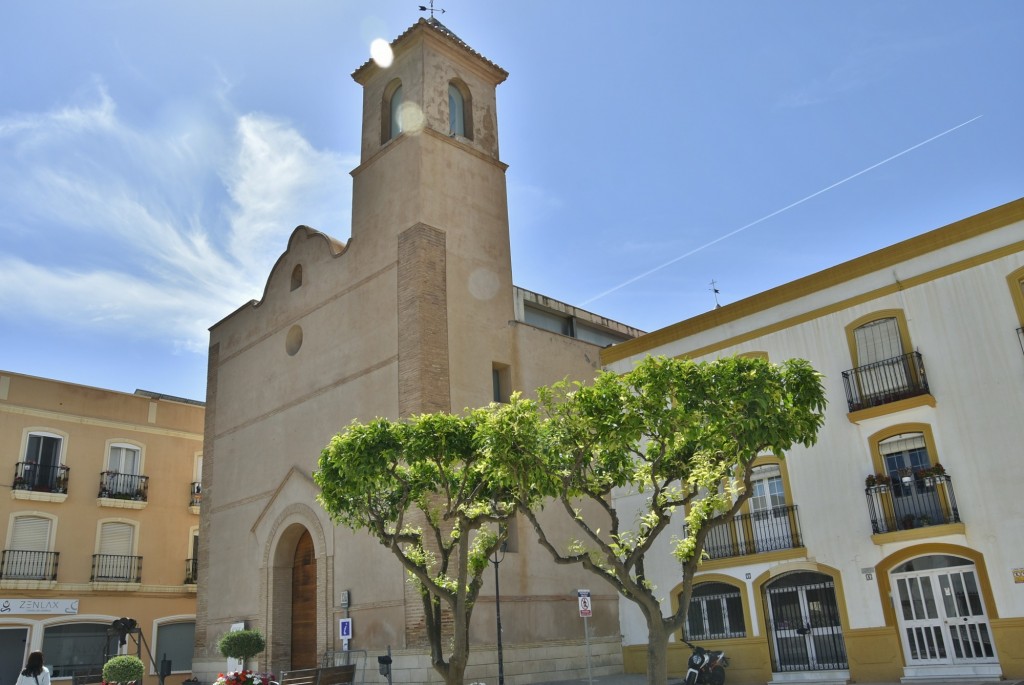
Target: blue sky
155,156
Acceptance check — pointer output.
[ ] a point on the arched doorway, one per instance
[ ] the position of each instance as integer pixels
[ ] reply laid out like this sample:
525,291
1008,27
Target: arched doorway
303,647
941,612
803,622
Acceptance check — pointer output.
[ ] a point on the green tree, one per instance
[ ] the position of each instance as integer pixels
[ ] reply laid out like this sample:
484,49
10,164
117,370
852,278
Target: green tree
123,669
423,488
241,644
682,433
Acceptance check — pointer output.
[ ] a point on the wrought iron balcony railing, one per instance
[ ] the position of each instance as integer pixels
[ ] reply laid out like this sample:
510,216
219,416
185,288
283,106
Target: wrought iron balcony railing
762,531
22,564
886,381
116,485
117,568
40,478
195,494
191,571
924,501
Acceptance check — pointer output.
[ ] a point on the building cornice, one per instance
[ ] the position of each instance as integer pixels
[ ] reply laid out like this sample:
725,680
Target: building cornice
965,229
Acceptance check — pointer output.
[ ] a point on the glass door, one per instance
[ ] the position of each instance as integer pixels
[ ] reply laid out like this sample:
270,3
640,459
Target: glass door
769,514
941,612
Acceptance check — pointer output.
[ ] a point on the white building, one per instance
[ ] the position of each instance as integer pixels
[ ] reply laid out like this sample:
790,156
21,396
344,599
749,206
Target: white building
826,577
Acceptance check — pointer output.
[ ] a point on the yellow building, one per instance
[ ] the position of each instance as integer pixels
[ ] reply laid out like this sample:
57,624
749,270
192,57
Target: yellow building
101,523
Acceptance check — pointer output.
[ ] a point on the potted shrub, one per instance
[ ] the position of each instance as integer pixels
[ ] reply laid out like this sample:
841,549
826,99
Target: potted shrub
878,481
123,670
242,645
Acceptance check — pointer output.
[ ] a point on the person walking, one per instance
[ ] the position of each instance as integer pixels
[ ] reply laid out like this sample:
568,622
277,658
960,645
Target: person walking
35,673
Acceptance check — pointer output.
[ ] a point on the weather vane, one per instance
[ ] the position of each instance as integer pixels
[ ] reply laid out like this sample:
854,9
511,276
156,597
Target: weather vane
430,8
715,290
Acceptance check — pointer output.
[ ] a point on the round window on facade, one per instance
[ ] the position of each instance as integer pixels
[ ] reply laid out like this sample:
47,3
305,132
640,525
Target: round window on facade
293,342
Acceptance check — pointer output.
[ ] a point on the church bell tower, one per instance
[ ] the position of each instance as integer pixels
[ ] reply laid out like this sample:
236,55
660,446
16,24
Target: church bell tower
430,189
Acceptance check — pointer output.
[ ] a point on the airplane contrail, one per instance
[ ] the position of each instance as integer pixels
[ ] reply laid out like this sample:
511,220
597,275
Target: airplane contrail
775,213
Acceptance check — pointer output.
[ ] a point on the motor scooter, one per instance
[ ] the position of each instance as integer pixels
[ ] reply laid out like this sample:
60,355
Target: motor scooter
705,667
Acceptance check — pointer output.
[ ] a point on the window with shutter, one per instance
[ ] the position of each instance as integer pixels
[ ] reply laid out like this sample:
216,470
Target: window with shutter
27,554
115,560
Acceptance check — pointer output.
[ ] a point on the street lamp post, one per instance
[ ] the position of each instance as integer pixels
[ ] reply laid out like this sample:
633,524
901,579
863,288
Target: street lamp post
499,556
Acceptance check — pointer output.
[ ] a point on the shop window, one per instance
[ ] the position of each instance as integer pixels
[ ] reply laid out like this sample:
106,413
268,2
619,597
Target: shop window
175,642
77,648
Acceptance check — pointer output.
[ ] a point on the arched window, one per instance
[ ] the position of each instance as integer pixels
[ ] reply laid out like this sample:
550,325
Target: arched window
886,367
716,613
297,277
390,119
396,119
918,492
460,110
456,120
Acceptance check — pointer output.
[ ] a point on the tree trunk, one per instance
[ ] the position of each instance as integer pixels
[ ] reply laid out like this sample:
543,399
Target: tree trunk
657,651
456,674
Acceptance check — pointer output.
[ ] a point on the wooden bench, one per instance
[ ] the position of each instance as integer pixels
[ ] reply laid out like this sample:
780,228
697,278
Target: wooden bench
329,675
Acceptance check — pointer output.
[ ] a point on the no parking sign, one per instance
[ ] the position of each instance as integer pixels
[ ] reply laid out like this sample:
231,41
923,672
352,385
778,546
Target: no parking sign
586,609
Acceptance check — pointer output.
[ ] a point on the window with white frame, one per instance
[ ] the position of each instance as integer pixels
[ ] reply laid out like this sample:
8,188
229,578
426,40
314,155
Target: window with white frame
115,559
716,612
42,461
28,555
124,462
124,459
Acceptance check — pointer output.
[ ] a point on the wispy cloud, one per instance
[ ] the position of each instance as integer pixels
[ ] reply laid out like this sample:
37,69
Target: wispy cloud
162,231
856,70
72,119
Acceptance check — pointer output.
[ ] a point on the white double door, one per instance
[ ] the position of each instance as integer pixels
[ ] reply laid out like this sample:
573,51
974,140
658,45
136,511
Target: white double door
942,613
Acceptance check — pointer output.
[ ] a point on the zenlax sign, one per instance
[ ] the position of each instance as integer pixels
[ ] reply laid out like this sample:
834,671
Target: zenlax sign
38,606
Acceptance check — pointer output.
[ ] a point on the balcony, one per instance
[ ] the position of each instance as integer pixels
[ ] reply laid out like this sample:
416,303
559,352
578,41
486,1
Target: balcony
763,531
923,501
32,477
191,571
124,486
21,564
195,494
116,568
886,381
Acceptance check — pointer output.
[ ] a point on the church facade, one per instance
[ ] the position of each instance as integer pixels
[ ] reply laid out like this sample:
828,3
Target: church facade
415,313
